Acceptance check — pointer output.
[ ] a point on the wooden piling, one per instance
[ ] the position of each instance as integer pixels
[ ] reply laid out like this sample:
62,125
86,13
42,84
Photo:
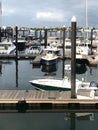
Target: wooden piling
73,57
0,34
64,42
16,40
45,38
91,39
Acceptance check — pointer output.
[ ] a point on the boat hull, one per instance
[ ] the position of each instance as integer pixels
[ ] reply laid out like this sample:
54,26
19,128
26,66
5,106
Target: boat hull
46,87
51,84
48,62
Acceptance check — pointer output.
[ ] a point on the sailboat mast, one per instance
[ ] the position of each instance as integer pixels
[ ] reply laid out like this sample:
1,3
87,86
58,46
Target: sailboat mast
86,18
86,11
0,13
0,18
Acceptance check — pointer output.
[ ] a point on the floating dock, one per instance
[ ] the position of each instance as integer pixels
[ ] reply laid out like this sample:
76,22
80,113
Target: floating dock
33,100
36,58
20,56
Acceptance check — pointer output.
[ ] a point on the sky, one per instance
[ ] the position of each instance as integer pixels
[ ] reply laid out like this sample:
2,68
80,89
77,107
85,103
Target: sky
49,13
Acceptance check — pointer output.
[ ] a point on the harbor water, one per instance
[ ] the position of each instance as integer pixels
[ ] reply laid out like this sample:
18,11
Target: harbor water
47,121
15,75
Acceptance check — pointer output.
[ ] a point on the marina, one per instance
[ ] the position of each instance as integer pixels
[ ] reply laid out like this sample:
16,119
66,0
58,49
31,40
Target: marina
46,47
14,91
43,98
48,65
37,58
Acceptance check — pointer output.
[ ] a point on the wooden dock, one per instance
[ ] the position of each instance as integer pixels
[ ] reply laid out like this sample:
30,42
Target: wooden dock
36,58
33,100
20,56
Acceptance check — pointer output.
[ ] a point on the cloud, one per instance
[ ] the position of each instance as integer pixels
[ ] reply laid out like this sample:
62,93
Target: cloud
8,12
50,16
49,12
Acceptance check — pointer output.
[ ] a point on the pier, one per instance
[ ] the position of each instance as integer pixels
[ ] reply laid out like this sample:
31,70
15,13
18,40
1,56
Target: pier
33,100
20,56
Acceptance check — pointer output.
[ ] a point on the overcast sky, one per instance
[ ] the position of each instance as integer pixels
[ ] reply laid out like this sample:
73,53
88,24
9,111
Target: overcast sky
50,13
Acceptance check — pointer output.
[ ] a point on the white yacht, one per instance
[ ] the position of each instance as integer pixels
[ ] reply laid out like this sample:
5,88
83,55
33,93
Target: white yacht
49,57
7,47
62,84
84,48
34,49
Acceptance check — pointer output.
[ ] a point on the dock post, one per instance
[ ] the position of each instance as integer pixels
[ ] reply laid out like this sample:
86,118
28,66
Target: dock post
16,29
91,39
36,34
0,34
45,37
61,36
23,33
63,71
73,57
63,42
40,33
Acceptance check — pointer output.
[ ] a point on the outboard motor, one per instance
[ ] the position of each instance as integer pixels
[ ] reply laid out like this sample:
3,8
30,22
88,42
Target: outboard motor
93,84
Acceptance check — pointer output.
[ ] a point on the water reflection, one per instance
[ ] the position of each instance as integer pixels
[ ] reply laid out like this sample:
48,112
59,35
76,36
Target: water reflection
49,69
4,62
0,68
16,61
91,68
81,68
72,121
76,117
21,72
80,116
46,121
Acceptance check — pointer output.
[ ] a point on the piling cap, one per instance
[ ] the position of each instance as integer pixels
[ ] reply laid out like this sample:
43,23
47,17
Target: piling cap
73,19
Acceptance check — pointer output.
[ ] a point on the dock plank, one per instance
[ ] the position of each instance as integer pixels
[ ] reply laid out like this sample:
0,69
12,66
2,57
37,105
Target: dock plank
33,96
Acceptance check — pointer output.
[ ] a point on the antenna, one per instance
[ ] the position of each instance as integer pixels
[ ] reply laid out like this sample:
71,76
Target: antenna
86,13
0,13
